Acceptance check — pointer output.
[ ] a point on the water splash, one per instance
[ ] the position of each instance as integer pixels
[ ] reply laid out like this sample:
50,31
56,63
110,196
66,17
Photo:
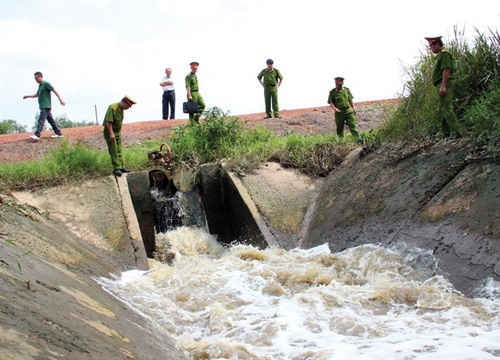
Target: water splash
363,303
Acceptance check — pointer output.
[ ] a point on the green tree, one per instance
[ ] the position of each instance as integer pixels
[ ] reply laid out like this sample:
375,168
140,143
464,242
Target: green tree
65,122
11,127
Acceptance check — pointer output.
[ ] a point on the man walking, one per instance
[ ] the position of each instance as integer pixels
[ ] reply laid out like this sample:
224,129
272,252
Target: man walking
44,101
270,78
113,121
442,78
193,93
340,99
168,99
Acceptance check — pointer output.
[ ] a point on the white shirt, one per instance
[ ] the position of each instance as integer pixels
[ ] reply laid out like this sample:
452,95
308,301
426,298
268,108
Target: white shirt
168,87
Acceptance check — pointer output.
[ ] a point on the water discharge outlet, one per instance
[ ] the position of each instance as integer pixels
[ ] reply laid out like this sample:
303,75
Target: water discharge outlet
212,202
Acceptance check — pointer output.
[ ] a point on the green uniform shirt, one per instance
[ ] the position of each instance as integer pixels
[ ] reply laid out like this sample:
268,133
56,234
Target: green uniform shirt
443,60
114,115
340,98
43,93
192,82
271,77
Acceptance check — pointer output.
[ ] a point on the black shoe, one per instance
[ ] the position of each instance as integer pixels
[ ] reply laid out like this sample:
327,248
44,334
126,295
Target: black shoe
268,117
124,170
277,117
117,172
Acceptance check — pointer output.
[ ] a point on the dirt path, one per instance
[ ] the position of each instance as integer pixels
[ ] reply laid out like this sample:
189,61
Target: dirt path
18,147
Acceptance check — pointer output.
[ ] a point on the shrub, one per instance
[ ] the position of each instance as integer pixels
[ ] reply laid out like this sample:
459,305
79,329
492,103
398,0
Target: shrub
477,69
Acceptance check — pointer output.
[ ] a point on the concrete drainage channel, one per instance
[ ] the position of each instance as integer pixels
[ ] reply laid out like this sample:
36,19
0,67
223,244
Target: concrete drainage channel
212,198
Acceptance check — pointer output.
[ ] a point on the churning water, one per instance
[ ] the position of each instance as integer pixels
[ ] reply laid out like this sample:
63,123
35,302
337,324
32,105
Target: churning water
363,303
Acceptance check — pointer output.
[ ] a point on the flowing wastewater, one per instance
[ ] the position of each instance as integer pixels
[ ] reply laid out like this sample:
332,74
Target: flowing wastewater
363,303
242,302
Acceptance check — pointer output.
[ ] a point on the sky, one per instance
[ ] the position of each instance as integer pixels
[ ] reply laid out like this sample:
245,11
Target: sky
95,51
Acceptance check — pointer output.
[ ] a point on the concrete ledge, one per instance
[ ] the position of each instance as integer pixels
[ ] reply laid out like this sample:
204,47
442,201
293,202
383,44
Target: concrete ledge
132,223
252,208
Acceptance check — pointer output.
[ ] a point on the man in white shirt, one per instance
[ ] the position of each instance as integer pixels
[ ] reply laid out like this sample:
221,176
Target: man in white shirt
168,99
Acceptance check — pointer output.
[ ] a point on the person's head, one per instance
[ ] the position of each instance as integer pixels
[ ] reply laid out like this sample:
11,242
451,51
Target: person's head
339,82
435,44
168,71
126,103
270,63
38,77
194,66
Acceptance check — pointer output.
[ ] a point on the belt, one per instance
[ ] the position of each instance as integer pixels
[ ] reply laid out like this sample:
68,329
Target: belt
273,85
194,90
169,91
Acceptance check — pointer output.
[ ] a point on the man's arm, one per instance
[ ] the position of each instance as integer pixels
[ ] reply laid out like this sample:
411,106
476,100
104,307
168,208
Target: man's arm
444,83
59,97
280,78
165,83
331,103
259,77
109,126
30,96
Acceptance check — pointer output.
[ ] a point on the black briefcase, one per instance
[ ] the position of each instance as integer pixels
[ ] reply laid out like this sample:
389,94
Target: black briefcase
190,107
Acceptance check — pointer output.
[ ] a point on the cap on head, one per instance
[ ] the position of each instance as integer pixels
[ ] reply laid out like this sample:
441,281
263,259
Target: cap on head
339,78
194,63
128,101
434,39
269,61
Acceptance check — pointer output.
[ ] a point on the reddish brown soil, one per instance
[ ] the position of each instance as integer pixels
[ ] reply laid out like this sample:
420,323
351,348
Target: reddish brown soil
18,147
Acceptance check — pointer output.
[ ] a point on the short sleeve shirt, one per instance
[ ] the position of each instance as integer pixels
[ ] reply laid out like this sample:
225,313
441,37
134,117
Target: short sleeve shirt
192,82
43,93
271,77
340,98
443,60
114,115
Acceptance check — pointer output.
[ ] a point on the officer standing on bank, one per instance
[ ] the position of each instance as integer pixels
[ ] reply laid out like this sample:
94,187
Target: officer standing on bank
193,93
340,99
113,121
270,78
442,78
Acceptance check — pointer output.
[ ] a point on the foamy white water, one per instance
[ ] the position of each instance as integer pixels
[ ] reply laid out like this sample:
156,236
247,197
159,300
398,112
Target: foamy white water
363,303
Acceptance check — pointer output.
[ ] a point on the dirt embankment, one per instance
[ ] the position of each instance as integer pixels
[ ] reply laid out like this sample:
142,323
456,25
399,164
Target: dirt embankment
442,197
18,147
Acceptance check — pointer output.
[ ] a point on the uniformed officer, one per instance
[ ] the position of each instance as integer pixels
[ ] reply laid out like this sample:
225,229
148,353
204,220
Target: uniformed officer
193,93
113,121
270,78
340,99
442,78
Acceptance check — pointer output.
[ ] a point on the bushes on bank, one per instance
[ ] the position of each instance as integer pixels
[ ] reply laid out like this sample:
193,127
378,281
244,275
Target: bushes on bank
477,73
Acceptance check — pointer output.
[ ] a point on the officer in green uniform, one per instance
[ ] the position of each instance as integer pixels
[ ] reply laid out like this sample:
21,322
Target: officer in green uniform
113,121
340,99
442,78
193,93
270,78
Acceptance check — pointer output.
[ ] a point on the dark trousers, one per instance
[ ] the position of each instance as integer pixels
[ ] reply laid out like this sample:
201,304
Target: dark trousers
46,114
168,99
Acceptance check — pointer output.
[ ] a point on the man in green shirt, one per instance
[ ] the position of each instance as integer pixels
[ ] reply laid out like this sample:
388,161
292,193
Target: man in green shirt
340,99
113,121
442,78
44,101
193,93
270,78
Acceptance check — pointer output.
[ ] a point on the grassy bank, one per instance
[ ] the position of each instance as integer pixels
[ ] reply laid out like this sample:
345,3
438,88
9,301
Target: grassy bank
220,137
476,87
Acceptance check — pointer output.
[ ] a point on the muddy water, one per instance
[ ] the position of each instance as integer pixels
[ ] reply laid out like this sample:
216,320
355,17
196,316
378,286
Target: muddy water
364,303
